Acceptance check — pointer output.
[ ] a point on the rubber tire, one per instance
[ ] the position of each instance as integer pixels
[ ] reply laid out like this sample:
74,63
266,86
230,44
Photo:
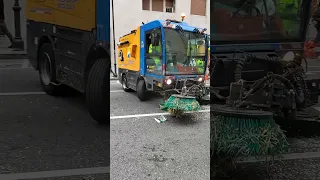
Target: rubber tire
124,80
50,89
142,91
97,91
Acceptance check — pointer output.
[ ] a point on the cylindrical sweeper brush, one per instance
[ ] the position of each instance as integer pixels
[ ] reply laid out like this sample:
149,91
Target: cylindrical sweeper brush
238,133
178,104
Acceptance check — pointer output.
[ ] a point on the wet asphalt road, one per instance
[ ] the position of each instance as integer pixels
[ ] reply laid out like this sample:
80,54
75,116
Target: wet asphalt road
44,133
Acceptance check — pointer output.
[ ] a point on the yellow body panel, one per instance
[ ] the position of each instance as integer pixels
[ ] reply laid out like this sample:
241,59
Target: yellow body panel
77,14
131,52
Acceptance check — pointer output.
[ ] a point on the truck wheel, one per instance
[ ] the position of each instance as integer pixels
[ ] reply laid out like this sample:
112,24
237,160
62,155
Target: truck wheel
97,91
125,83
141,90
47,70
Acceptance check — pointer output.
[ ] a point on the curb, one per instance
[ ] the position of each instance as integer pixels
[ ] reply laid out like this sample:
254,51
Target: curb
13,56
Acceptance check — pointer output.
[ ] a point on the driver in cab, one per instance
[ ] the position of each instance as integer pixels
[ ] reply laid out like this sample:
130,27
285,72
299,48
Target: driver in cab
154,52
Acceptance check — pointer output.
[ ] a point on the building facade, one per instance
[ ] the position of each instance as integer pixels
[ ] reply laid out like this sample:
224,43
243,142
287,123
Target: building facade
129,15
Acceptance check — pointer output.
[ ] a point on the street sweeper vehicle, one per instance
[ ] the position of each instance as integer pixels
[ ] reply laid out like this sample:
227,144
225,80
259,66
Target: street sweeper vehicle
69,44
164,56
257,75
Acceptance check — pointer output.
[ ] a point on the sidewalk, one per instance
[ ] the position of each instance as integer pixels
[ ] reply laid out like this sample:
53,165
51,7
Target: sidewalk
8,53
113,78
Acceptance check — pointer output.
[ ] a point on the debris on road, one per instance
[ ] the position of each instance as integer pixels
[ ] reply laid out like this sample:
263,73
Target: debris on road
162,119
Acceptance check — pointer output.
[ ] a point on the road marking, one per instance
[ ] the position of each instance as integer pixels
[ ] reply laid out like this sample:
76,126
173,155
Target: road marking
152,114
56,173
114,91
310,73
291,156
114,82
15,68
313,71
314,66
22,93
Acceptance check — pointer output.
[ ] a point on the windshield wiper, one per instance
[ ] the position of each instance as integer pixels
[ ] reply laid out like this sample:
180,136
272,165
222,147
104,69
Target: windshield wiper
182,35
196,30
185,40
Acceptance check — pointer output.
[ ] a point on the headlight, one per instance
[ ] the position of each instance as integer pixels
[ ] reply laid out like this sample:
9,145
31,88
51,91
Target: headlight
169,81
289,56
200,79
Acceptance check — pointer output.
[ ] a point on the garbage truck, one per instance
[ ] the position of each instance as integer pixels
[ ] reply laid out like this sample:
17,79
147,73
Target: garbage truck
69,44
166,57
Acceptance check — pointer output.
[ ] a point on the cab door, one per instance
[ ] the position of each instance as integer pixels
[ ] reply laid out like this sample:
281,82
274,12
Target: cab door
152,50
153,53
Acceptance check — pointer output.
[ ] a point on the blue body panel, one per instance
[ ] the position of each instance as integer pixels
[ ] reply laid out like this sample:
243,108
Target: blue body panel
160,24
103,20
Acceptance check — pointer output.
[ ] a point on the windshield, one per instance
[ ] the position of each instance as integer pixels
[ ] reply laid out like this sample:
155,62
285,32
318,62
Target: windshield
185,52
256,20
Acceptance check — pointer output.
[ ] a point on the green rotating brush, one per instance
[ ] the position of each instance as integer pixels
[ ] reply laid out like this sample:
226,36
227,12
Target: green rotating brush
176,105
237,133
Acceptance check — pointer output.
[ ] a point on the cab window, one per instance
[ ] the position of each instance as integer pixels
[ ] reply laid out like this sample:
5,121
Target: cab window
257,20
153,54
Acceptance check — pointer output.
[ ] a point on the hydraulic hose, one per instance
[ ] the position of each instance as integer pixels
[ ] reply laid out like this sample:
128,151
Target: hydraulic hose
282,79
298,87
239,67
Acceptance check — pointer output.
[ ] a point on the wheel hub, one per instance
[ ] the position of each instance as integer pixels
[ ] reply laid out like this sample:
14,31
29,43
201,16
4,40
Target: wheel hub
45,69
124,83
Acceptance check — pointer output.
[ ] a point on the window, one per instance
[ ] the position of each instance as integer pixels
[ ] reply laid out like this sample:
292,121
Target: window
159,5
185,52
154,51
253,21
198,7
169,6
146,4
